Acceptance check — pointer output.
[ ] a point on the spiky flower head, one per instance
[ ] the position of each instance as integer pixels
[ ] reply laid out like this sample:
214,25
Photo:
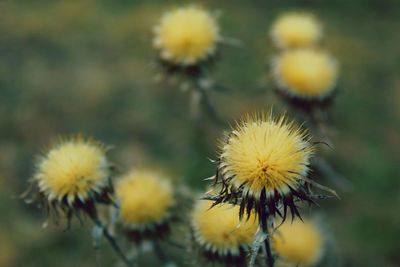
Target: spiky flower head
296,29
305,73
145,198
218,228
299,243
73,172
264,164
186,36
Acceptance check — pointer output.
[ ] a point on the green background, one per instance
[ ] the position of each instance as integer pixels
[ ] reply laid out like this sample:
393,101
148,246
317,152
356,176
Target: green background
88,66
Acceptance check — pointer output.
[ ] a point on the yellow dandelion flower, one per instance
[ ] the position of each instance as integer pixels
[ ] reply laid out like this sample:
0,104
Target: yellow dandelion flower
305,73
299,243
296,29
264,163
74,170
186,36
145,199
219,230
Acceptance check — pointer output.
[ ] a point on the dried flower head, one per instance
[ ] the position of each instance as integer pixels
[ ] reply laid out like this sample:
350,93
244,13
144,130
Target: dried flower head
298,242
263,165
296,29
219,231
73,175
186,36
305,73
145,198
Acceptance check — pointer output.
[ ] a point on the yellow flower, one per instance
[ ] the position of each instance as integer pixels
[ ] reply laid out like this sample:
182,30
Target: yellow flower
299,243
296,30
266,154
186,36
305,73
263,167
75,169
219,230
145,199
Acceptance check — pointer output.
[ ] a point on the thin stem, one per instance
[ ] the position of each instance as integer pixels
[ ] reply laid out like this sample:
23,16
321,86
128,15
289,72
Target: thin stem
202,87
160,254
322,166
232,41
212,112
111,240
255,248
269,260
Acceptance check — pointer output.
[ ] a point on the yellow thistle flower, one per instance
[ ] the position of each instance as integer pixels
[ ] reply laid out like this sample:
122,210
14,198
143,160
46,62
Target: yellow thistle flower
264,164
266,154
186,36
299,243
145,199
296,29
305,73
73,170
219,230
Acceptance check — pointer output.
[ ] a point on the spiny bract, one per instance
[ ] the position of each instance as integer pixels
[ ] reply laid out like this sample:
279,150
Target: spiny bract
186,35
295,29
305,73
263,153
219,230
298,242
145,199
73,169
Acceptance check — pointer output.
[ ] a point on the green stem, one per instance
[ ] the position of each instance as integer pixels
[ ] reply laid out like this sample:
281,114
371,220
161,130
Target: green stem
202,88
111,240
212,112
160,254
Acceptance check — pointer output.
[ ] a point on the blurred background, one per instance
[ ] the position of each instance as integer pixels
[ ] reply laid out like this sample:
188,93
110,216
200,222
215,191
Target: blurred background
87,66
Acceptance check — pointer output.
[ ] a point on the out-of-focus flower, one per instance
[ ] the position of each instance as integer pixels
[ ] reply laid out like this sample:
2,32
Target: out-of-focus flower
305,73
296,29
220,232
186,36
145,200
299,242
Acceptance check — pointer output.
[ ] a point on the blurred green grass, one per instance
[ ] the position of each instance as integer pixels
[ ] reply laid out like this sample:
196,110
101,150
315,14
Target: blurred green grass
86,66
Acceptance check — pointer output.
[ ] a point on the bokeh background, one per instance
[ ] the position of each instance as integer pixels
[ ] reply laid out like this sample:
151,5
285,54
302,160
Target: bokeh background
87,66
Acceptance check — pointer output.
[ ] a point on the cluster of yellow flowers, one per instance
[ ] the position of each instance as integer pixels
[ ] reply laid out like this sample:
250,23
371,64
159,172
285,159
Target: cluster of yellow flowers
262,154
75,173
262,168
266,162
302,70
